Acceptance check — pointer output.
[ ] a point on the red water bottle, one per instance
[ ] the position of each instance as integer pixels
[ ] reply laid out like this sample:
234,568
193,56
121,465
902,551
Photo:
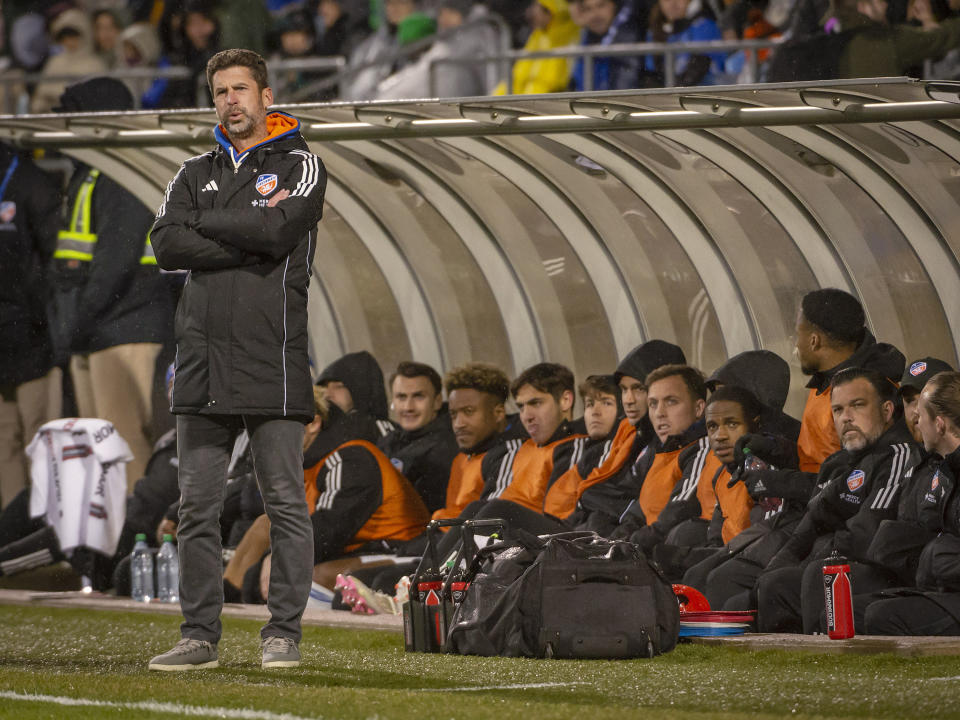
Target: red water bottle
838,597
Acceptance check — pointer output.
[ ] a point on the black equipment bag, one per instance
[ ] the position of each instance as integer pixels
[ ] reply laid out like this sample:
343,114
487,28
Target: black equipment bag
571,595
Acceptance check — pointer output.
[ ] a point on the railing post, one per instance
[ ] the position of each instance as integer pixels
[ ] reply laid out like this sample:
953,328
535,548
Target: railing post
588,72
753,62
669,71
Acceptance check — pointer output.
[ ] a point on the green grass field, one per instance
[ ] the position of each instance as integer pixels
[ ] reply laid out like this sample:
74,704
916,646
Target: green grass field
92,664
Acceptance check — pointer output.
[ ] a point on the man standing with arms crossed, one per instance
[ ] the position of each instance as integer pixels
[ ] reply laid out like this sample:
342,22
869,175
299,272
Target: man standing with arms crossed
242,220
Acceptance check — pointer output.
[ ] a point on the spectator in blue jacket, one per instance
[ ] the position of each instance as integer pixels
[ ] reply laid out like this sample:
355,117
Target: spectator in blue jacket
607,22
677,21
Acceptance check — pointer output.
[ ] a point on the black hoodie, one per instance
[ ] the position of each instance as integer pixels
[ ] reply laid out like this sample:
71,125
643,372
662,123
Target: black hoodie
640,362
361,373
767,376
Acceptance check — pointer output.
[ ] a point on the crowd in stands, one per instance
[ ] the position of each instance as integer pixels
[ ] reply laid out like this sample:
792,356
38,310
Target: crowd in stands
390,46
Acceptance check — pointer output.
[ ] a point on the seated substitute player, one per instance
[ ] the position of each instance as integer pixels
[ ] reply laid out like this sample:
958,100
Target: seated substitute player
476,401
831,335
354,383
520,473
608,448
732,417
676,397
932,607
477,395
767,376
612,486
602,414
359,503
859,488
423,446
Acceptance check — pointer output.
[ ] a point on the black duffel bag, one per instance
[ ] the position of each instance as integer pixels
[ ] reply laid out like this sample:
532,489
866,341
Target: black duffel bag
572,595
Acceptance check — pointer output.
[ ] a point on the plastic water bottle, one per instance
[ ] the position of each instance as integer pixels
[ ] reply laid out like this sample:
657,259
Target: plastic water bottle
141,571
168,571
752,462
770,505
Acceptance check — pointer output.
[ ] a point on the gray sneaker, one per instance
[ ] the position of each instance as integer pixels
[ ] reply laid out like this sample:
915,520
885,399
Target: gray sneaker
188,654
279,652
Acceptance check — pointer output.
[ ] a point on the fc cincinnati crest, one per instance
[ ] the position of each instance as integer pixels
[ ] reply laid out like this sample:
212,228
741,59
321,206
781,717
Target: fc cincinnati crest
266,184
855,480
935,483
8,210
918,368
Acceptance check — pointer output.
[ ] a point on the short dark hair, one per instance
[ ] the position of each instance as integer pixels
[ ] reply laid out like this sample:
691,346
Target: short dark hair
837,313
238,57
886,390
691,377
410,369
551,378
744,398
595,384
480,377
943,396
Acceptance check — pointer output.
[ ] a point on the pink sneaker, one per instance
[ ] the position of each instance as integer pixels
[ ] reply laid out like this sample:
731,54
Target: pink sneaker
362,599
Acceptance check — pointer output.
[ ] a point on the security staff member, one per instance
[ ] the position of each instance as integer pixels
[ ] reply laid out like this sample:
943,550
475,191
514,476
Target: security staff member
112,308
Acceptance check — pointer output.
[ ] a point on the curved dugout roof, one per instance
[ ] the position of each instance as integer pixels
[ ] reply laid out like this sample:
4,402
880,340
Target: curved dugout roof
573,227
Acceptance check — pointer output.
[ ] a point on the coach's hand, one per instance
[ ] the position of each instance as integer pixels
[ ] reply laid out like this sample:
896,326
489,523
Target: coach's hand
282,195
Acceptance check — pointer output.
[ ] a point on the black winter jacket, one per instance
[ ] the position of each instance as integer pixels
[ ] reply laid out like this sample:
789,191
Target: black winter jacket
939,564
29,217
858,491
113,299
424,457
241,326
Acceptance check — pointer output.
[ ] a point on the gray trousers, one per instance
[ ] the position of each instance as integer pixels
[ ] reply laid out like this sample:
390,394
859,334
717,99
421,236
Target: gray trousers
204,444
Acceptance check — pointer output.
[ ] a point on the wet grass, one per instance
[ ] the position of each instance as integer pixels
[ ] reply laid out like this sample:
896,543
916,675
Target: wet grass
101,656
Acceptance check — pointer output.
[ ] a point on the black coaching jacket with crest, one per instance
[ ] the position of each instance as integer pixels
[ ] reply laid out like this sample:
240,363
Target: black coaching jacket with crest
241,325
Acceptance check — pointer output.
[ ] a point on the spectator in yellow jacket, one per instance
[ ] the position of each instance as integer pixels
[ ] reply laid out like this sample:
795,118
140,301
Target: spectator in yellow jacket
552,28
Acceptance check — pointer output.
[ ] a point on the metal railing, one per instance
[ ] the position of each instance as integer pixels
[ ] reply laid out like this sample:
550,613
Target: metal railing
16,83
588,52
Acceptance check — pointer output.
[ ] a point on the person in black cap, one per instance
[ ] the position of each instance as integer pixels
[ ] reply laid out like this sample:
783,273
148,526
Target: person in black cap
915,376
112,310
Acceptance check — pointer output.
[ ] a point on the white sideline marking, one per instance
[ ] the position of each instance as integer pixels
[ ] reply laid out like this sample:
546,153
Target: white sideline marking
154,706
524,686
955,677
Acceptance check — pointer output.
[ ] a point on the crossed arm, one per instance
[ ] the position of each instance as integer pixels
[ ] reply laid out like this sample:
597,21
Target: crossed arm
188,238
